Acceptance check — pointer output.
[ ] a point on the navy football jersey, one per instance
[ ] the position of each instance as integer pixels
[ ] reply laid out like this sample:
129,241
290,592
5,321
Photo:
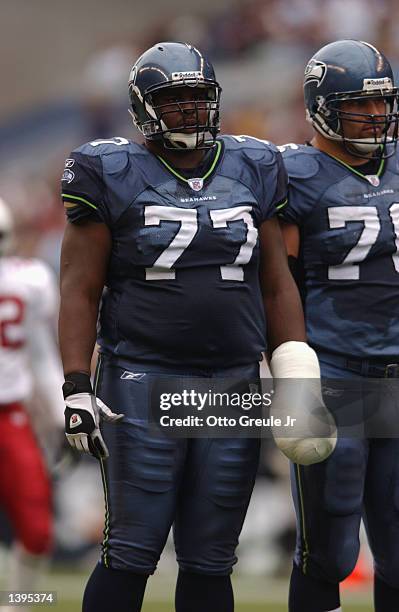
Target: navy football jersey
349,227
182,283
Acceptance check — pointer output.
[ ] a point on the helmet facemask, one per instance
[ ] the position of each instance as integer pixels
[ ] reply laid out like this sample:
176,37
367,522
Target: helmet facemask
199,124
330,118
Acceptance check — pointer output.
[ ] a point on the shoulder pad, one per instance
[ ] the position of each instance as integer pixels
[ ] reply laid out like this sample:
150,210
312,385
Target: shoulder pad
114,153
300,161
115,162
102,146
393,159
253,148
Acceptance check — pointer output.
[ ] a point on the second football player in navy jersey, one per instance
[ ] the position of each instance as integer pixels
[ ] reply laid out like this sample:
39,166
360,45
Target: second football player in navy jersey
176,230
342,227
349,242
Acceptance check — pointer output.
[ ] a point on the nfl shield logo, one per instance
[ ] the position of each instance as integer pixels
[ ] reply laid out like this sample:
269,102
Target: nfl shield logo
196,183
373,179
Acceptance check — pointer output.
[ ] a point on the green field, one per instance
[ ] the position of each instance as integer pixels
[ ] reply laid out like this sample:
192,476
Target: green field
253,594
73,606
250,608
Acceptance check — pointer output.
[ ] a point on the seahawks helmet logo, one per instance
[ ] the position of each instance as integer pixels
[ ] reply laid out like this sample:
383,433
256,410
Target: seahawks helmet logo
315,72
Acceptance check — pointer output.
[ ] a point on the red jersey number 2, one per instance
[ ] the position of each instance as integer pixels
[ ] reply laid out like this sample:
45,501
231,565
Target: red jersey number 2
12,311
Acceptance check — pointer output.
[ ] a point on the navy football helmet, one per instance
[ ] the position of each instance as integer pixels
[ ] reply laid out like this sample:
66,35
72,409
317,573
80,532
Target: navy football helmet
351,70
170,65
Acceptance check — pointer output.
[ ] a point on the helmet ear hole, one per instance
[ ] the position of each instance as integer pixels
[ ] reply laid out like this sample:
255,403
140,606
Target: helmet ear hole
315,108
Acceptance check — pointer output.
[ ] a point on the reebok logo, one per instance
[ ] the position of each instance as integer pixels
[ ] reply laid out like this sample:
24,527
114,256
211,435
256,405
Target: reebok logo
132,375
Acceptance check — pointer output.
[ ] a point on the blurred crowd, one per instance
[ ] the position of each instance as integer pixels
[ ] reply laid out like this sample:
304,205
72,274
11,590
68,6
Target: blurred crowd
305,24
259,47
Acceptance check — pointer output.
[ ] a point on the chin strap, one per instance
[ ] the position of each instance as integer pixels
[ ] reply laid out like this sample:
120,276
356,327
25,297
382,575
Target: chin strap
362,145
184,141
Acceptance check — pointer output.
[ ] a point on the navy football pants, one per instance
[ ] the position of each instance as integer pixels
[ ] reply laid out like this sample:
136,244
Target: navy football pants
200,486
361,478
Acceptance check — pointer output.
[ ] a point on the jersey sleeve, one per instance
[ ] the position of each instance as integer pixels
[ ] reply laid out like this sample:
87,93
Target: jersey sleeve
303,190
82,188
271,184
280,198
298,205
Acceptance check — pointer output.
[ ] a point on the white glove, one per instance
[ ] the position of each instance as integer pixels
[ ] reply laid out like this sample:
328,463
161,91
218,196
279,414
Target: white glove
313,435
83,413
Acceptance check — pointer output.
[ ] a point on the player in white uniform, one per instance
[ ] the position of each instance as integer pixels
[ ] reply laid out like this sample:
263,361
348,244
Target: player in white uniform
28,361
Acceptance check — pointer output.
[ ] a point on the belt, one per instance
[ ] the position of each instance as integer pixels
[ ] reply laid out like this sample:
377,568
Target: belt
372,368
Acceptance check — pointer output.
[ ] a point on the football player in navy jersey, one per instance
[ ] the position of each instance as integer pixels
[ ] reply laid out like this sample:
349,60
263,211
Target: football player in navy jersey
176,230
341,228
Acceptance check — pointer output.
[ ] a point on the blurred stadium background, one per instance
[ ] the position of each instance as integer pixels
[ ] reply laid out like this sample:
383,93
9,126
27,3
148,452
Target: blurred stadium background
64,81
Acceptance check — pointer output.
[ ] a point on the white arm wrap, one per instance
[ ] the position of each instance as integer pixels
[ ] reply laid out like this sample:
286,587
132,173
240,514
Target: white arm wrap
294,360
313,435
